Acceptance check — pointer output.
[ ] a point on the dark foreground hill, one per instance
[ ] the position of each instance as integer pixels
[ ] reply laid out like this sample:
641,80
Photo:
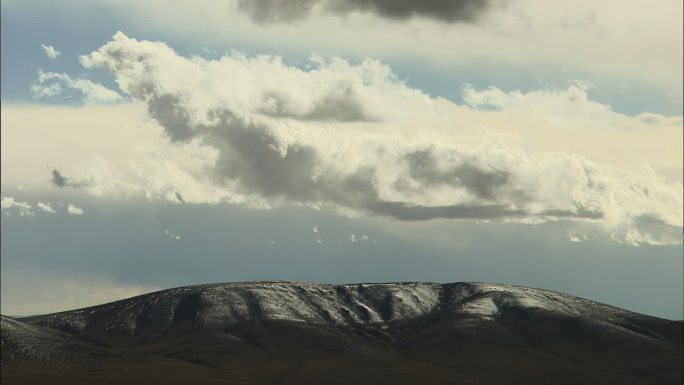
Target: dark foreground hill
301,333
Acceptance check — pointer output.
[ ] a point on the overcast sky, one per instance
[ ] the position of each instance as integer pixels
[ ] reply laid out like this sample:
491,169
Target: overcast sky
147,146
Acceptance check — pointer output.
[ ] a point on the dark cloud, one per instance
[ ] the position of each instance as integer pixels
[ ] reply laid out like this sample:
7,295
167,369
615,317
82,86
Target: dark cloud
60,180
277,10
253,160
444,10
449,11
579,212
407,212
423,167
342,106
250,155
179,197
168,112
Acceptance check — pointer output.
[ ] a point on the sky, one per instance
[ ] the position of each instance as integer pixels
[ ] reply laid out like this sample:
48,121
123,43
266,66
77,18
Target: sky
148,146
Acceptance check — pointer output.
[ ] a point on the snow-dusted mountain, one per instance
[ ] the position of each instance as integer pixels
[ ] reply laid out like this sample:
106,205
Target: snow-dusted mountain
369,333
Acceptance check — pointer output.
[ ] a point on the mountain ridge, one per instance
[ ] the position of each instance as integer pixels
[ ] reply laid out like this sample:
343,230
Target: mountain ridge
398,332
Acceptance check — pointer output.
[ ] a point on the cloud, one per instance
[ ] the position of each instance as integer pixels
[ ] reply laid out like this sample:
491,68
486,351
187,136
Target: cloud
531,39
172,235
318,235
576,237
60,180
50,51
73,210
51,84
8,204
404,154
179,197
449,11
46,207
359,238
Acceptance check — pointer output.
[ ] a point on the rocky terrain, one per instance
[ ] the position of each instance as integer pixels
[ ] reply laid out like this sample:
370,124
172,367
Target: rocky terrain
307,333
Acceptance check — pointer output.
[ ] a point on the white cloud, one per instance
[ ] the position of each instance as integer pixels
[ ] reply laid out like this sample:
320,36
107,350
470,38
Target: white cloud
50,51
522,37
577,237
46,90
566,120
296,135
51,84
357,139
172,235
116,147
9,204
46,207
318,235
356,238
73,210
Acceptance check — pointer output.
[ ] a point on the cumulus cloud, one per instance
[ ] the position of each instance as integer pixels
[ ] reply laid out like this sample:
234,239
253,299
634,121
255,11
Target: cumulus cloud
50,51
356,138
51,84
47,207
9,204
449,11
74,210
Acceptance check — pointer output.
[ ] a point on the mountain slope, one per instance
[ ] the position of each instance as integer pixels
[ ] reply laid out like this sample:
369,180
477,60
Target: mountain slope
292,332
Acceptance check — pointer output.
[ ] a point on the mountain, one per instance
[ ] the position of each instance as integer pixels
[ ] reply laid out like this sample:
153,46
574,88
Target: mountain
309,333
